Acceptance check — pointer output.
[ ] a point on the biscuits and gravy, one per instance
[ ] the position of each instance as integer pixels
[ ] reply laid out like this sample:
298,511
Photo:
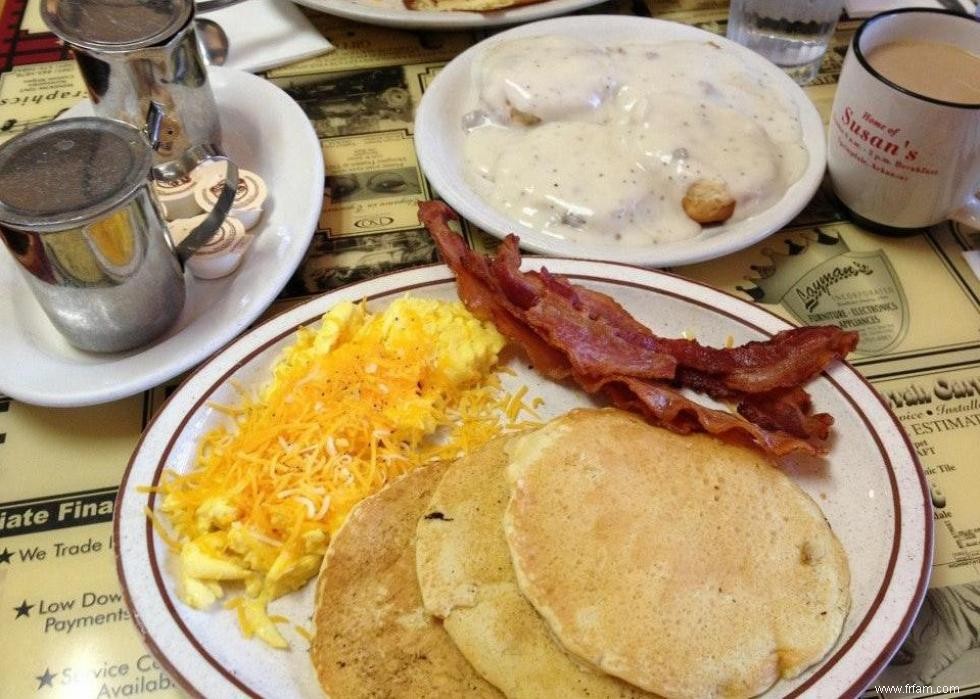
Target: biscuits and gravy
603,143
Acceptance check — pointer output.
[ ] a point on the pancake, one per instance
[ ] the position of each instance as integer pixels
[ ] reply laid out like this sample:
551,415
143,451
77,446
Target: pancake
373,637
682,564
466,577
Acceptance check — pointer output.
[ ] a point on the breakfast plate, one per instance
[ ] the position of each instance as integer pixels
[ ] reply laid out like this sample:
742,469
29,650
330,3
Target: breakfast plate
277,142
393,13
440,142
870,487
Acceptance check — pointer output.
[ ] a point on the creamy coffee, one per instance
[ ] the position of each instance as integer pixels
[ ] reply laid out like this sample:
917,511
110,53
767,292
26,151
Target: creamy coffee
940,71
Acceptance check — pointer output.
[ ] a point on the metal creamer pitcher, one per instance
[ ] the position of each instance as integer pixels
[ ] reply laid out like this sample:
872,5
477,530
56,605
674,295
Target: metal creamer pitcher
80,217
134,53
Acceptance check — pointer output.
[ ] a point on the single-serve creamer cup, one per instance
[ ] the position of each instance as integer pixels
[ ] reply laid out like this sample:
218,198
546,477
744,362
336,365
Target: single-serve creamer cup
901,161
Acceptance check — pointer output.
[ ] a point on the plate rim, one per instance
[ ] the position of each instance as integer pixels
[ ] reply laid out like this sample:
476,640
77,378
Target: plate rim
152,376
449,20
438,274
451,186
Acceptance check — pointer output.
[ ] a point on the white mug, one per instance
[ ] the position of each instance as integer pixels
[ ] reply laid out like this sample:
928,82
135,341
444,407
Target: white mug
898,160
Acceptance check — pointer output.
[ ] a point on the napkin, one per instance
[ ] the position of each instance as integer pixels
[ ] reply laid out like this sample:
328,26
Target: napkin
263,34
858,9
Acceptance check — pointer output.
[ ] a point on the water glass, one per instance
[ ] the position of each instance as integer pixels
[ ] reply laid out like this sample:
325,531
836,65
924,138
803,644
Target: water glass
793,35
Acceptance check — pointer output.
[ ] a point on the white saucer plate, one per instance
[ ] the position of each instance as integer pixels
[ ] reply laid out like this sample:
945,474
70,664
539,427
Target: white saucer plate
393,13
263,131
439,141
870,488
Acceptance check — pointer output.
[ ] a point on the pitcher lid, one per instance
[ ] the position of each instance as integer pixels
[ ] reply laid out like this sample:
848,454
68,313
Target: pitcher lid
65,173
116,25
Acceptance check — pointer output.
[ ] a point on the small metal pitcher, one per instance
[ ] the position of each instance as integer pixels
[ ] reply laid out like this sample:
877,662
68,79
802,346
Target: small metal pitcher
79,215
132,53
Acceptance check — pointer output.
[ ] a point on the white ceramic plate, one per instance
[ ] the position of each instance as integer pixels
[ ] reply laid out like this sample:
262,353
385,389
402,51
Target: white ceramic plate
870,488
439,139
263,131
393,13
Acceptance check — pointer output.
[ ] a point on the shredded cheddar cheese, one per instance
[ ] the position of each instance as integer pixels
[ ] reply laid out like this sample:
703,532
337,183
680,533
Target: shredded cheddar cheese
350,406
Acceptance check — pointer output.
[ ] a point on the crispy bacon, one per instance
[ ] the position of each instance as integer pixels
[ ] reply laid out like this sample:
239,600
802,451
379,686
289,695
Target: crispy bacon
477,290
666,406
568,330
787,410
525,312
789,358
591,343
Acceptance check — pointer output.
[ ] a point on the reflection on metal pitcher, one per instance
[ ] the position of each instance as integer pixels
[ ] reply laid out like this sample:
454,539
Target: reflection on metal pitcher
78,214
134,54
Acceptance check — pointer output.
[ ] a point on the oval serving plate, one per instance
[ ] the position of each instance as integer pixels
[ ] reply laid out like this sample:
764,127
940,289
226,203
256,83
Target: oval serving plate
393,13
870,488
439,141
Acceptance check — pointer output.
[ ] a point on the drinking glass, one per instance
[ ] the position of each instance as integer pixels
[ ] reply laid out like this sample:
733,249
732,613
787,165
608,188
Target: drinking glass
793,35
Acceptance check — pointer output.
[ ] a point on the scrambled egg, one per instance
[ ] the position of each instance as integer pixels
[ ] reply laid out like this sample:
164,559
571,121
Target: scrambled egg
350,406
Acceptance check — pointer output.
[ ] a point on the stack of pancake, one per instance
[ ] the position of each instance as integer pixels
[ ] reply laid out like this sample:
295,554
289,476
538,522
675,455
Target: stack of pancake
594,557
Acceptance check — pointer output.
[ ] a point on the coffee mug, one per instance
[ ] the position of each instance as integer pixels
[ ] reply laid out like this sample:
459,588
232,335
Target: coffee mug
79,214
901,159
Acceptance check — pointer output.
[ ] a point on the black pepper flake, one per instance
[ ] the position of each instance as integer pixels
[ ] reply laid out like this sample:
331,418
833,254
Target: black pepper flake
438,515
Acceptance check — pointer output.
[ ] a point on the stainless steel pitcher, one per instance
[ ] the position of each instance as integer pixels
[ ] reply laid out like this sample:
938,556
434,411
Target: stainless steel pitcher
132,53
79,215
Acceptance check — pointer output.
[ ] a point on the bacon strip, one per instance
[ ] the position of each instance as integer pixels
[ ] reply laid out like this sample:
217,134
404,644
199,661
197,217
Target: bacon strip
568,330
787,410
665,406
476,289
789,358
590,341
522,309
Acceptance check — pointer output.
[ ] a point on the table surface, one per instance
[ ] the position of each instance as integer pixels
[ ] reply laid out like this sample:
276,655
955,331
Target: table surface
62,616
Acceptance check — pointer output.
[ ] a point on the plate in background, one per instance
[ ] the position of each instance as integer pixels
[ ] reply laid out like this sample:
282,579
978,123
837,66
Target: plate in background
393,13
439,139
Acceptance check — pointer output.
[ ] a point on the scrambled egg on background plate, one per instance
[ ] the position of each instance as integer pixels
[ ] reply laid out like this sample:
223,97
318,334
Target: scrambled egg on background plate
349,407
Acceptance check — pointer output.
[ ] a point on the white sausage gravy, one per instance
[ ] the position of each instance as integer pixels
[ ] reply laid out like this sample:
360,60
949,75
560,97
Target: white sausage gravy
600,144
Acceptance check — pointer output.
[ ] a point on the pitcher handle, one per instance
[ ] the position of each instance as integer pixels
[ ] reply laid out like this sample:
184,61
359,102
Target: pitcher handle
182,167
